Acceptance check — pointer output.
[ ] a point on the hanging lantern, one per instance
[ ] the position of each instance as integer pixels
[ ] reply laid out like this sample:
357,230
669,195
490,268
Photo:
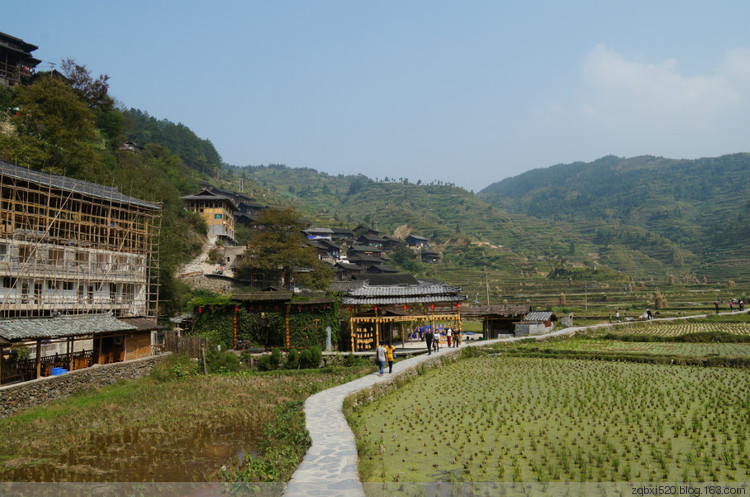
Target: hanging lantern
236,308
376,309
200,310
325,307
432,307
458,305
404,306
299,308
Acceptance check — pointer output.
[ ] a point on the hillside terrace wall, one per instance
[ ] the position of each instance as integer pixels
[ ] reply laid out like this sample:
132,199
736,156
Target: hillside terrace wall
19,396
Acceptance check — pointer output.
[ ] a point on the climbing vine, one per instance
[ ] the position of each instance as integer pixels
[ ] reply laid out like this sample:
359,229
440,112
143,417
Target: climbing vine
267,328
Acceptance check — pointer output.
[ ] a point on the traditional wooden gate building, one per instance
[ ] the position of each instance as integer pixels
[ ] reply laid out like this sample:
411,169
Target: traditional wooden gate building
496,320
380,311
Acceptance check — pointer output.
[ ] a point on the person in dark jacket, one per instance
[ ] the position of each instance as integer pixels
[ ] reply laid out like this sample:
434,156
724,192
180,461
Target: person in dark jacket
428,338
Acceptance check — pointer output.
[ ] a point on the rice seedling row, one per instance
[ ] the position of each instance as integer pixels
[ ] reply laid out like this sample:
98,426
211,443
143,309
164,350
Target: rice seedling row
651,348
532,419
679,328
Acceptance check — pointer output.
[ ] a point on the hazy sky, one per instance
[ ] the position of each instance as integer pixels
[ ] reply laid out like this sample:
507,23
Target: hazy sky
468,92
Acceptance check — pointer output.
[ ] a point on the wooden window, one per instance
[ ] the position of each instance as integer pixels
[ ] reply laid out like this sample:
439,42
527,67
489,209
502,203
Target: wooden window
56,256
24,253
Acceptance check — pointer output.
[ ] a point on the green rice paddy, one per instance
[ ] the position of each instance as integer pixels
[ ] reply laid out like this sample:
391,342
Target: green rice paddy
532,419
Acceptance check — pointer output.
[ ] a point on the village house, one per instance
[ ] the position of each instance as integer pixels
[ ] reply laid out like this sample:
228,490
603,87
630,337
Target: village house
343,236
360,250
16,62
346,270
327,250
416,241
217,210
130,146
75,258
429,257
535,323
318,233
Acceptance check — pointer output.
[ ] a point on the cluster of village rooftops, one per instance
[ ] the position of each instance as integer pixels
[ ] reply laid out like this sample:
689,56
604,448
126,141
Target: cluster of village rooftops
353,252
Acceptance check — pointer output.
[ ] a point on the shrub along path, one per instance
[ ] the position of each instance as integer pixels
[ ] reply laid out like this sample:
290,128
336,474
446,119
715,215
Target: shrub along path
330,466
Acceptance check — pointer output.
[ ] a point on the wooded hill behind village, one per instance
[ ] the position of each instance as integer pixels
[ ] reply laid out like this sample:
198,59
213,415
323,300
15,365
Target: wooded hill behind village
608,223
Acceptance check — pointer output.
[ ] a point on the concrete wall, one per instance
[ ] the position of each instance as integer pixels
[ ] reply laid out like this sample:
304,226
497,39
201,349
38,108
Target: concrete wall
523,329
14,398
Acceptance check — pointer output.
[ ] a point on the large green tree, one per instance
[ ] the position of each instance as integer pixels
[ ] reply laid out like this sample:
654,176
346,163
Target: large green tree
280,247
53,130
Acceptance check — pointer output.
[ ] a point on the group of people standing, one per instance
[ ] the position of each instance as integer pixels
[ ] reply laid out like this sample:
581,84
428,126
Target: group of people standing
740,304
432,340
386,353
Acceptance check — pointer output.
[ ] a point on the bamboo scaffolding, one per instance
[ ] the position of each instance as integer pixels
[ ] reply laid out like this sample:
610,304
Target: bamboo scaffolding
58,241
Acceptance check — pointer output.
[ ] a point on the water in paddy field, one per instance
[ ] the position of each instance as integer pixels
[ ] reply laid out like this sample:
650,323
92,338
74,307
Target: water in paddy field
138,455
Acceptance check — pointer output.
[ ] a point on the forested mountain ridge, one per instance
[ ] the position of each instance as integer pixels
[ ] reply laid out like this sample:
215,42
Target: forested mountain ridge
701,205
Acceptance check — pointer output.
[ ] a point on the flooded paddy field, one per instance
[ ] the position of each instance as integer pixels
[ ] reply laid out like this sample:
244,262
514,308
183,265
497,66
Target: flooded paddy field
144,430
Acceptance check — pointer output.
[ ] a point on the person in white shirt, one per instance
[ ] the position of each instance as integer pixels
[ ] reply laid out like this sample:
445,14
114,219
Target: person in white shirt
381,358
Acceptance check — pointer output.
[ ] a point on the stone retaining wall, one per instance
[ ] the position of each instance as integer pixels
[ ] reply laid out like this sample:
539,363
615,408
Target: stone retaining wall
19,396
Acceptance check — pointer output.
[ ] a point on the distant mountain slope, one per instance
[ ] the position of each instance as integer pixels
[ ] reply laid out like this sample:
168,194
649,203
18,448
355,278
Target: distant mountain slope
518,249
701,206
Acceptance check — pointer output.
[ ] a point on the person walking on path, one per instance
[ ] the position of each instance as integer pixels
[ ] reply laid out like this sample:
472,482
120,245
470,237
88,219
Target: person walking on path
381,358
436,341
731,306
390,354
617,316
742,305
649,316
428,339
449,336
716,304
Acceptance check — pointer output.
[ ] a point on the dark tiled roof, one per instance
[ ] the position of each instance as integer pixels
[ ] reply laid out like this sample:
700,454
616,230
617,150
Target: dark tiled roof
142,323
72,185
343,286
349,265
383,268
538,316
403,294
61,327
399,290
206,195
375,279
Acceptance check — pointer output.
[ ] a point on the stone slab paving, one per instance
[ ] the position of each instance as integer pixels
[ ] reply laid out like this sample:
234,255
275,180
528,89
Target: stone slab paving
330,466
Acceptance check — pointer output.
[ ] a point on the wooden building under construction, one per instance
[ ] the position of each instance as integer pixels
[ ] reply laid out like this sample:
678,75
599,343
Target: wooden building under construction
74,248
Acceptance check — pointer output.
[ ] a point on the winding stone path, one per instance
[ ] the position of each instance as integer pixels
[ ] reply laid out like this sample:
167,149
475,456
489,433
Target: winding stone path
330,466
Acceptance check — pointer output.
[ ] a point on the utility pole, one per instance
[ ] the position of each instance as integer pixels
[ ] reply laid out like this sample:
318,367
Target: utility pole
487,285
586,294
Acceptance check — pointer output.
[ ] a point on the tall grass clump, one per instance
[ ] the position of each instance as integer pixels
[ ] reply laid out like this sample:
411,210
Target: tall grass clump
174,367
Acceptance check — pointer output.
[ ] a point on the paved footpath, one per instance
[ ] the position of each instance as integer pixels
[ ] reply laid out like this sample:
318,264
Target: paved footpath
330,466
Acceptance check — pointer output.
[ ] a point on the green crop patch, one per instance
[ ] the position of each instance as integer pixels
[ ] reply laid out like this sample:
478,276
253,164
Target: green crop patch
532,419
